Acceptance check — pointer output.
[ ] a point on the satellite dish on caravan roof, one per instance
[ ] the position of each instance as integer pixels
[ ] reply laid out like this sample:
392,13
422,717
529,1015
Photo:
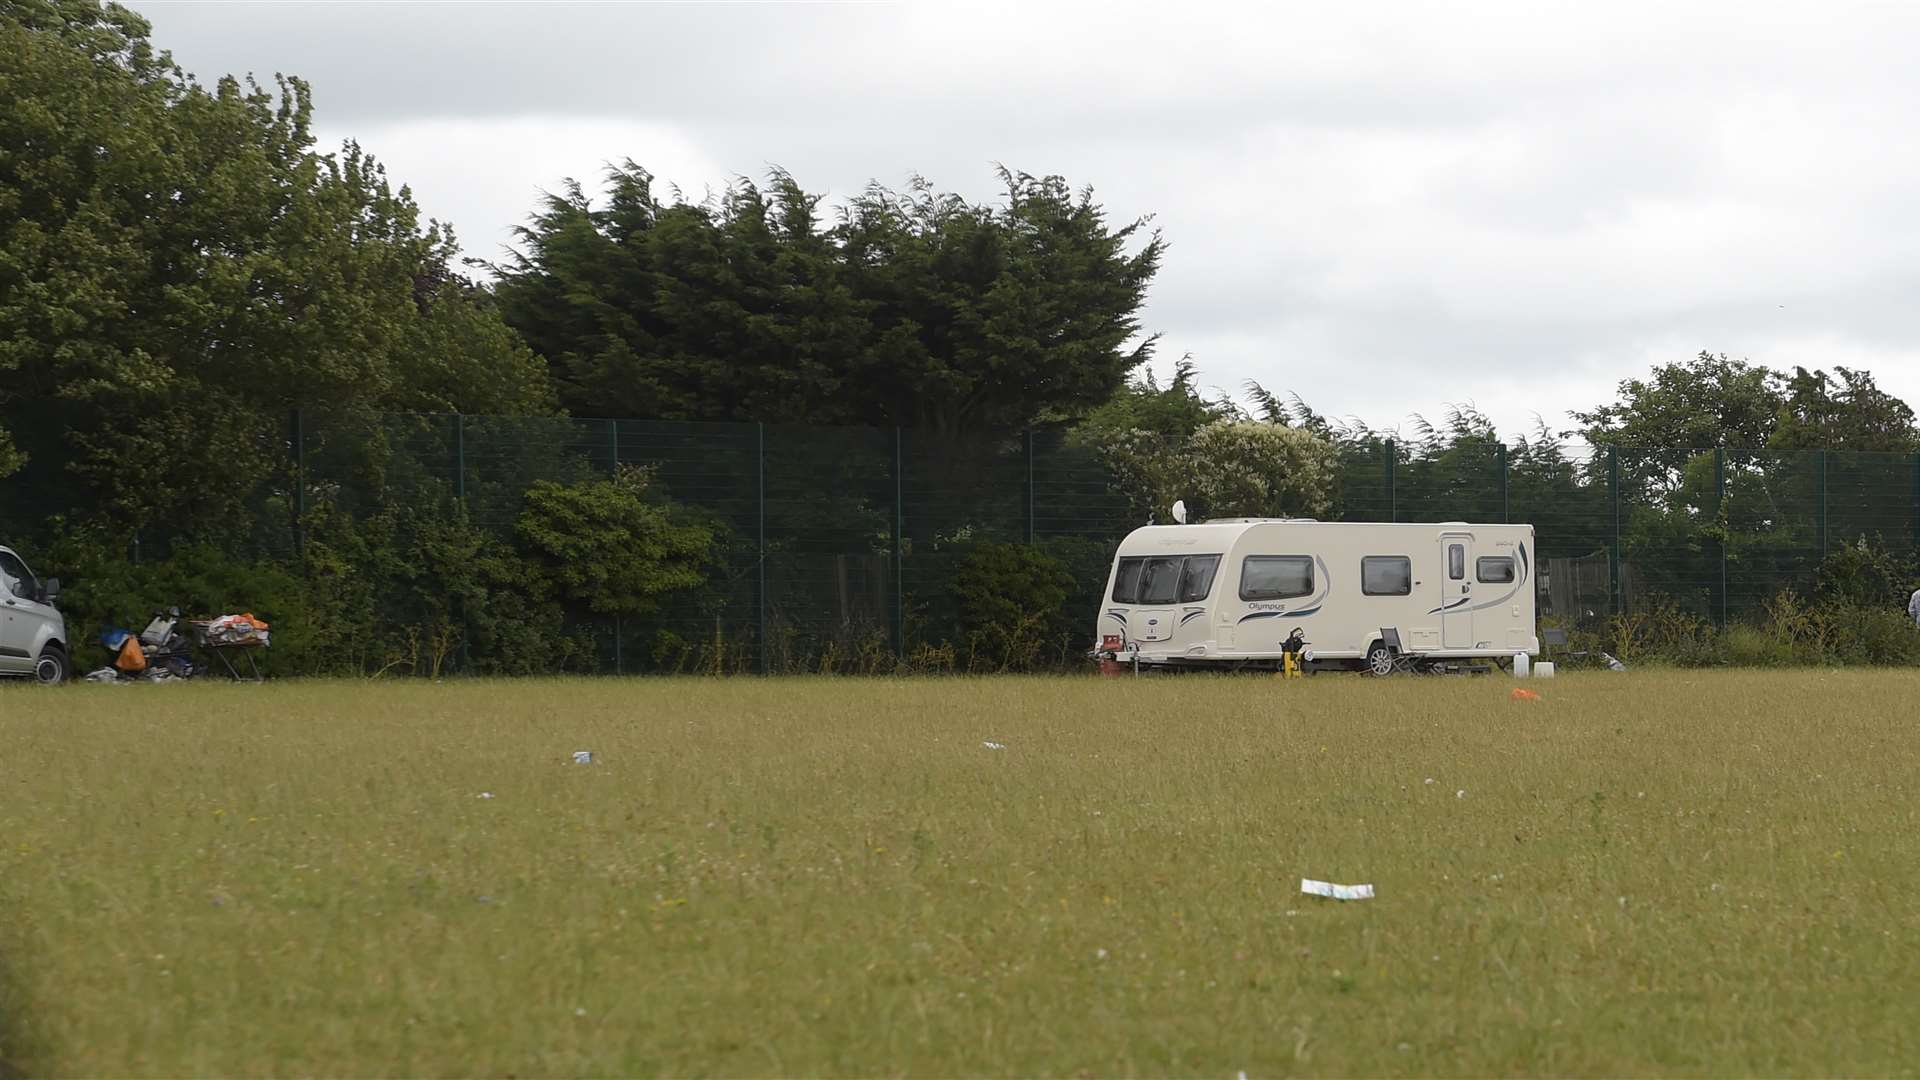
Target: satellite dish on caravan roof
1180,511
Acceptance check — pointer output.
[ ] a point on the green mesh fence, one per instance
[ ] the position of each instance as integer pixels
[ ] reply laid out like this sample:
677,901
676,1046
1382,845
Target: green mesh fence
839,547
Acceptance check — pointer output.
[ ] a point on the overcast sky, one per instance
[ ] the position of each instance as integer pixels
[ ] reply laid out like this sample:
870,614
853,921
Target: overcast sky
1384,208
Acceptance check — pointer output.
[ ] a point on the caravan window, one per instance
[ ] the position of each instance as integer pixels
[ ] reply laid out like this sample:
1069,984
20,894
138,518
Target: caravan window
1386,575
1276,577
1494,569
1456,561
1160,581
1196,580
1141,580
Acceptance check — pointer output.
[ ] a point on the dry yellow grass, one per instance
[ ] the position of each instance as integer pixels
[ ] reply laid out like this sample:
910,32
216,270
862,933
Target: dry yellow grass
1648,873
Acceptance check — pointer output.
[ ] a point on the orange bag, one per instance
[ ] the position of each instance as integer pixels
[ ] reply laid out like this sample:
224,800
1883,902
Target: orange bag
132,657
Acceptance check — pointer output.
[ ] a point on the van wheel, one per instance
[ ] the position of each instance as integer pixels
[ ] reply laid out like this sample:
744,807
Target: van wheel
52,668
1379,660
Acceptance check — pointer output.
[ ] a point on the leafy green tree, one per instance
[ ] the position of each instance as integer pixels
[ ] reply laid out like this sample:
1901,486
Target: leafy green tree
179,269
1701,403
1847,412
916,309
1172,412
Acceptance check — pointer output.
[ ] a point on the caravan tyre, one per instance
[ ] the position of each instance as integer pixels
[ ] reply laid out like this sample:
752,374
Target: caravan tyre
1379,660
52,668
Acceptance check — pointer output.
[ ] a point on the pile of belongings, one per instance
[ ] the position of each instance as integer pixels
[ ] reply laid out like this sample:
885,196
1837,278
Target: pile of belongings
247,629
132,656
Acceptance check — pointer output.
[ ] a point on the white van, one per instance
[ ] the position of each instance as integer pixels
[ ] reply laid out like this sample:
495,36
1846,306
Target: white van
1227,593
33,633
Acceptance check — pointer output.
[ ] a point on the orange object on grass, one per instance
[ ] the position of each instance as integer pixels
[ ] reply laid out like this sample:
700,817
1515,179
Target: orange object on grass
132,657
1523,694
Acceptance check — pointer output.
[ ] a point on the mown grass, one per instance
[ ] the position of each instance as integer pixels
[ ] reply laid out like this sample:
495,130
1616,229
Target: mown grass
1674,873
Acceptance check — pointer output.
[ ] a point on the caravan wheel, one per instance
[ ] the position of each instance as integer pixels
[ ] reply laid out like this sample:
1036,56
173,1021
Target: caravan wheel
1379,660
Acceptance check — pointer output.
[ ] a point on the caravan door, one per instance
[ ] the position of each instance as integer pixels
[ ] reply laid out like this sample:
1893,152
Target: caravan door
1456,590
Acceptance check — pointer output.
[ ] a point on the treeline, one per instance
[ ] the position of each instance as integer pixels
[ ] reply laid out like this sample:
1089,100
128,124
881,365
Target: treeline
207,324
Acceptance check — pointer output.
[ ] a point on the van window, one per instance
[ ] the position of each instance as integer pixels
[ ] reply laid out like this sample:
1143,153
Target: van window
16,577
1160,581
1126,583
1386,575
1276,577
1456,561
1196,578
1494,569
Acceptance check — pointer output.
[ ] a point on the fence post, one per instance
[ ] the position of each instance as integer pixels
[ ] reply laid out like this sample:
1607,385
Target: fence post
613,445
1392,510
899,533
1720,522
1029,485
299,447
1613,484
1821,478
460,458
761,515
1505,516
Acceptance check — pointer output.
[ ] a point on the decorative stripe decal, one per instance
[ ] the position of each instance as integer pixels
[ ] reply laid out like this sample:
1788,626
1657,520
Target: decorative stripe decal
1517,582
1191,615
6,651
1262,615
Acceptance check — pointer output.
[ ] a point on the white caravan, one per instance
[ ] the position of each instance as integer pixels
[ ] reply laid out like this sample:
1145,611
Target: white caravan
1228,593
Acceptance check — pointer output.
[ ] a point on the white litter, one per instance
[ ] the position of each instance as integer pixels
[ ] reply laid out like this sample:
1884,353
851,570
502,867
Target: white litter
484,795
583,757
1335,892
1461,794
994,745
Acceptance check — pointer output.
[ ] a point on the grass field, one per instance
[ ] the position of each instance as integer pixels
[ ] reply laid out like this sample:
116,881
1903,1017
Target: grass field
1673,873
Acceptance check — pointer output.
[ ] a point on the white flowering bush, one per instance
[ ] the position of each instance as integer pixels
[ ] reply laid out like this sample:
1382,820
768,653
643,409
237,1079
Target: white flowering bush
1228,468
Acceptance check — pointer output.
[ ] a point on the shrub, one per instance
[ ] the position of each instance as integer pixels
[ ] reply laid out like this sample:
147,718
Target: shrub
1745,645
609,547
1864,574
1012,603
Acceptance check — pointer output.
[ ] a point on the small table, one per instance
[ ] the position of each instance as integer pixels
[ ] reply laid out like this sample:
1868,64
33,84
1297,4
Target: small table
228,652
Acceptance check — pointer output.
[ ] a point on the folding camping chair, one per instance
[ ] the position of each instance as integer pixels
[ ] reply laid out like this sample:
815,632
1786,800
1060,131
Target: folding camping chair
1391,658
1551,638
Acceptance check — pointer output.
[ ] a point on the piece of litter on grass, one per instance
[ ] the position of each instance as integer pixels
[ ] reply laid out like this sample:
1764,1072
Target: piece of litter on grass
1429,779
1335,892
1523,694
994,745
583,757
1461,794
484,795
